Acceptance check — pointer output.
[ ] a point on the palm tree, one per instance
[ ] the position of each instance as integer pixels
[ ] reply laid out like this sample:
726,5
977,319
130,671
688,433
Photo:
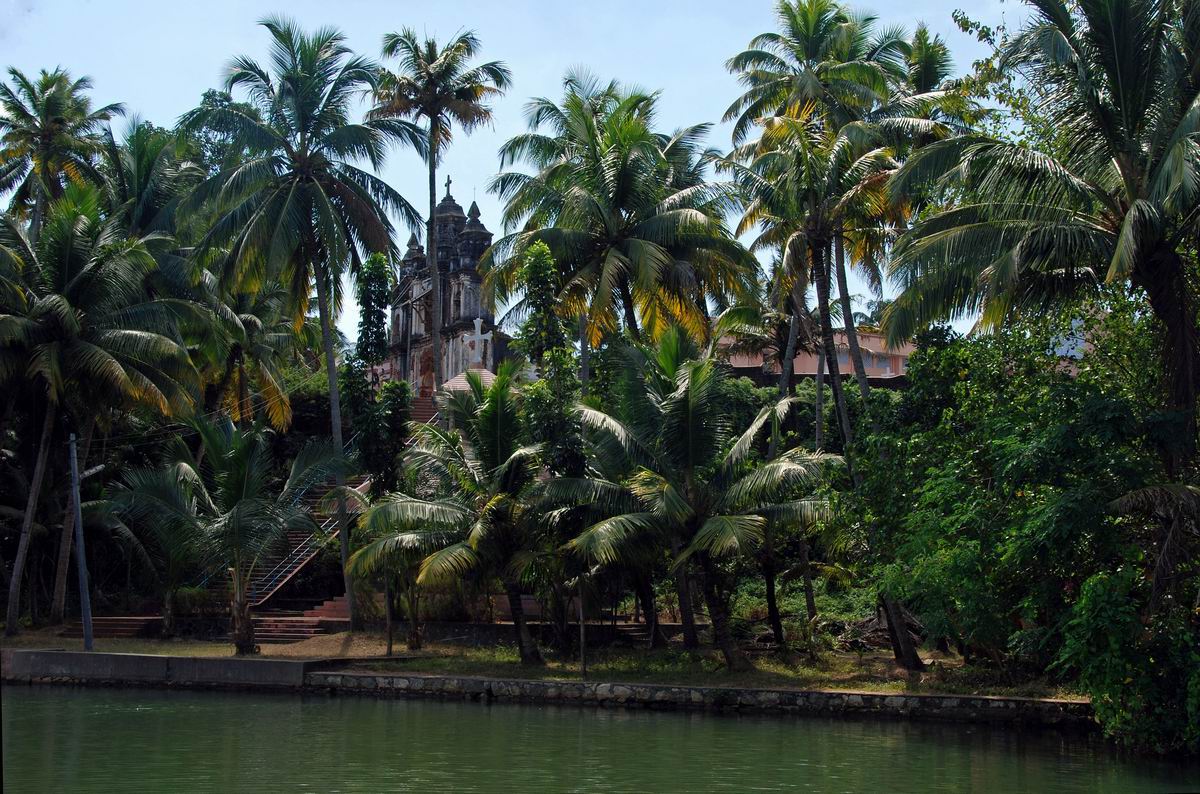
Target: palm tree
635,229
230,505
484,519
439,85
86,333
689,478
828,59
297,208
49,135
1113,198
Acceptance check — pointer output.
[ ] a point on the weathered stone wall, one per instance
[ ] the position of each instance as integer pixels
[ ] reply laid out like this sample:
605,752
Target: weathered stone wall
1027,711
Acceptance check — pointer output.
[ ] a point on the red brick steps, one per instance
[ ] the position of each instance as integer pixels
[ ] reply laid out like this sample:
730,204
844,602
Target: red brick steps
117,626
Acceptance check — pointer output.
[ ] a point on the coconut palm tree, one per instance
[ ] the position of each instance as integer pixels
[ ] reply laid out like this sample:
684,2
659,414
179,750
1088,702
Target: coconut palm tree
49,136
1113,199
298,208
484,520
638,234
440,85
86,333
822,55
230,505
690,479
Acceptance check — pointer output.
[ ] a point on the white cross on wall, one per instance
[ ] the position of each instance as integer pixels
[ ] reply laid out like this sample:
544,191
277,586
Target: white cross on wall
475,344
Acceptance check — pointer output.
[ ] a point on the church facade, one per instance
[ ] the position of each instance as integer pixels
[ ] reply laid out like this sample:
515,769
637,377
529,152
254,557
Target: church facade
470,338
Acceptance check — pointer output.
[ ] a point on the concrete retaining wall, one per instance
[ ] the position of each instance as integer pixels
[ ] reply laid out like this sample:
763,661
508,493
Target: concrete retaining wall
324,676
1024,711
136,668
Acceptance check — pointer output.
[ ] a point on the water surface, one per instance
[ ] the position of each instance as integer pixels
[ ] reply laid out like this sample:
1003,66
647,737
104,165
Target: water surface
78,740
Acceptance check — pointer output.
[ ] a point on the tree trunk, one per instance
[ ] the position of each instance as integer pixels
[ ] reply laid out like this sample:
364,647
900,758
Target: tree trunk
39,213
12,621
819,400
683,591
630,311
62,568
810,599
239,613
585,354
413,606
860,371
773,618
902,644
1164,279
526,646
835,378
335,418
645,595
718,613
168,614
387,611
435,273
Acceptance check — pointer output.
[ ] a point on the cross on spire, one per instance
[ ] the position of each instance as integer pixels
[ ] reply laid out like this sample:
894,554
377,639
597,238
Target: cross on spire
448,181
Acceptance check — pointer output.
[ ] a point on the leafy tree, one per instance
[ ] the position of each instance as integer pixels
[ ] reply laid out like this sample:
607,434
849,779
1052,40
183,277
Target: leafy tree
483,519
688,479
49,136
374,284
85,325
1029,227
437,84
297,208
230,505
634,227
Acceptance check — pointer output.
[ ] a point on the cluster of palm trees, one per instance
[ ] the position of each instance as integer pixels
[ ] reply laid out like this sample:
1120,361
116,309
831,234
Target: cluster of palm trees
166,280
169,276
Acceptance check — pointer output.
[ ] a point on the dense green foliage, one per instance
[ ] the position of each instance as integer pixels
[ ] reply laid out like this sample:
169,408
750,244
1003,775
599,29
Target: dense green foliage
1026,506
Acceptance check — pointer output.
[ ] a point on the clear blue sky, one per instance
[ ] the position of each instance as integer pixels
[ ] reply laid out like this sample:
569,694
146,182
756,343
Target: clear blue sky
158,58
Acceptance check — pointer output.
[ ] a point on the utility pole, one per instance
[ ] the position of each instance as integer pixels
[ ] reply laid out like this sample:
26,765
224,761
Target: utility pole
85,599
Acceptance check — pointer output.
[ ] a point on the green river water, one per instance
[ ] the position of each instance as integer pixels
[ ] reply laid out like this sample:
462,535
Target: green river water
66,739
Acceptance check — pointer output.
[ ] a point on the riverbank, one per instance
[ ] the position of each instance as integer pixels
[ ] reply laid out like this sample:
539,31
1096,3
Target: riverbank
348,676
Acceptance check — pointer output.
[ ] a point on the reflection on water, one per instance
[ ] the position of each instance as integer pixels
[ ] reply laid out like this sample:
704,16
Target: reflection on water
74,739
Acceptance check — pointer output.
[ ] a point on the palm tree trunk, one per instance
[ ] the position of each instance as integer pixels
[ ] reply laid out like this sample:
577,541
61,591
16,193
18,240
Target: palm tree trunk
630,311
335,419
585,354
526,646
860,371
435,273
12,620
902,644
810,599
62,568
819,400
645,595
718,613
683,592
239,614
38,216
835,378
773,617
1163,278
413,606
387,612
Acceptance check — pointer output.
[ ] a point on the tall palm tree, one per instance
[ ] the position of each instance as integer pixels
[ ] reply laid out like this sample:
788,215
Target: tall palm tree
230,506
483,520
437,84
827,61
87,333
49,136
298,208
690,478
635,229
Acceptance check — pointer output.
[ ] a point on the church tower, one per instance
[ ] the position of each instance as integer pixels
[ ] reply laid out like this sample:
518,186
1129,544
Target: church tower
470,339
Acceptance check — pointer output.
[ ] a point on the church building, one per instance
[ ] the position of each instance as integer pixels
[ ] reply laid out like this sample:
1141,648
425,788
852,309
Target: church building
470,338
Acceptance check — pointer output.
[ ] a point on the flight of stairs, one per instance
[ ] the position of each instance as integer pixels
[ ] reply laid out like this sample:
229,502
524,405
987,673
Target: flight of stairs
422,410
117,626
277,627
